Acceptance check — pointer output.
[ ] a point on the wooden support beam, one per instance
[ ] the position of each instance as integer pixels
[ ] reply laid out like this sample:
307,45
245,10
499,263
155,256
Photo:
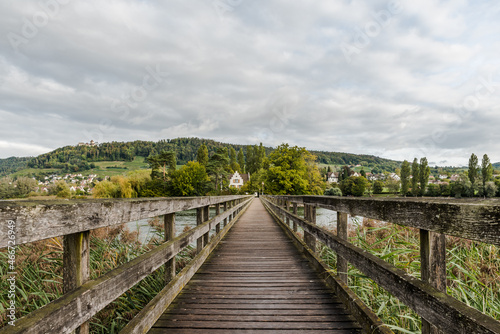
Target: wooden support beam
217,212
295,213
199,221
225,209
169,221
310,216
432,267
206,216
342,268
76,266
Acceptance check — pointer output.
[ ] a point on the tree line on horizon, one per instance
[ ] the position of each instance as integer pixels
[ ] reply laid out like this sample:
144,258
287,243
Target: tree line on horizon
73,159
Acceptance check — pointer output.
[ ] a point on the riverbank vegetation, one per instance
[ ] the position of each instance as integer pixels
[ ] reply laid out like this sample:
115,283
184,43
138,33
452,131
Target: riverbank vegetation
39,275
473,270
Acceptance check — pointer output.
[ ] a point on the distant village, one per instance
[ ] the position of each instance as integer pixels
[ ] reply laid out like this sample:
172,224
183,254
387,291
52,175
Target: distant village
77,183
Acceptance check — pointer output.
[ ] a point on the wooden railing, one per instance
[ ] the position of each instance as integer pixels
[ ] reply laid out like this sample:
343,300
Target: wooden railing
31,221
471,219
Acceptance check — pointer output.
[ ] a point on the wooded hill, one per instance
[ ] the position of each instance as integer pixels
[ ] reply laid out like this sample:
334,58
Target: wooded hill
78,158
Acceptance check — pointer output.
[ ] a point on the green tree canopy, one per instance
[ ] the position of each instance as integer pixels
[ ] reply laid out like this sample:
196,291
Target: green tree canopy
218,166
424,174
162,162
473,171
288,172
190,180
486,172
202,156
405,177
415,172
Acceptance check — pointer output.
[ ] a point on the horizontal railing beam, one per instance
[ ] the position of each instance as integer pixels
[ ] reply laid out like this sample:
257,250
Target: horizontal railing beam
474,219
39,220
442,310
76,307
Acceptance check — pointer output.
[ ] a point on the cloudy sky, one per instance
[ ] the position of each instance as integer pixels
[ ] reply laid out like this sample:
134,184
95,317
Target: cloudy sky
394,79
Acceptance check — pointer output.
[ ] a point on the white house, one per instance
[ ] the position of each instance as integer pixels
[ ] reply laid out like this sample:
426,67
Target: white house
333,177
237,180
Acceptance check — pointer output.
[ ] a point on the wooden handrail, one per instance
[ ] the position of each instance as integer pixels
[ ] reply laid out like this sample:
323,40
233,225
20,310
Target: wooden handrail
85,299
39,220
474,219
443,311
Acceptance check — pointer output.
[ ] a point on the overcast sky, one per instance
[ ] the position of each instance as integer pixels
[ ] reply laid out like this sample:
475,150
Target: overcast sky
394,79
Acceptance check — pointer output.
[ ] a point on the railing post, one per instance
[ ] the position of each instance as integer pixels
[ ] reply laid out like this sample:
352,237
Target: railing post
76,265
225,209
200,219
295,213
342,219
287,208
432,266
206,217
310,216
169,221
217,212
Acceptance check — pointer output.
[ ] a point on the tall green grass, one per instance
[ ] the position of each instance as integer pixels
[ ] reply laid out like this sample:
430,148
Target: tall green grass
39,281
472,272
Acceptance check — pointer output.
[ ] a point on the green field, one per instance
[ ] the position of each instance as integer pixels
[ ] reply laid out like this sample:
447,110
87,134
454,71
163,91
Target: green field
103,168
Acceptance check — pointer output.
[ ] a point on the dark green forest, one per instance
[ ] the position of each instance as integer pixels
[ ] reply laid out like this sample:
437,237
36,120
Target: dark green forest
79,158
12,165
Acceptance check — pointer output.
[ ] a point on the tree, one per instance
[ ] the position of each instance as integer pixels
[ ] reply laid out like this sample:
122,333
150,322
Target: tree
202,156
405,177
378,187
362,172
24,185
160,162
424,174
287,173
190,180
232,158
393,185
217,167
61,189
486,172
415,172
354,185
334,191
473,168
241,160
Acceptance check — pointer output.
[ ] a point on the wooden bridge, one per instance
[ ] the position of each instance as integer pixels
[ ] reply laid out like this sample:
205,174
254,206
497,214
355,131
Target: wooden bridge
262,277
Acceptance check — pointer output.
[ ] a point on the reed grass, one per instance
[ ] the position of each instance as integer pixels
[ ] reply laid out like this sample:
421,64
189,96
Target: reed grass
472,271
39,281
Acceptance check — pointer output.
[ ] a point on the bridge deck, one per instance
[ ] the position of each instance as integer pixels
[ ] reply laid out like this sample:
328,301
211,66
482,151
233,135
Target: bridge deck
256,281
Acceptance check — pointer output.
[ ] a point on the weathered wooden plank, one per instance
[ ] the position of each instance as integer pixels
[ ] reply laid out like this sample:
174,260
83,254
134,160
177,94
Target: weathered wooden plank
78,306
433,267
342,266
475,219
443,311
147,317
76,266
169,224
257,325
38,220
250,331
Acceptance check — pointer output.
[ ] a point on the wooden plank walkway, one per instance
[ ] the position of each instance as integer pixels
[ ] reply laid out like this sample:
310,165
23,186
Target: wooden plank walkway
256,281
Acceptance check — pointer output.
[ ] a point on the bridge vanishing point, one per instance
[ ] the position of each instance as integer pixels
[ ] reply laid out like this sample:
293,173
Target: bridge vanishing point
253,273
